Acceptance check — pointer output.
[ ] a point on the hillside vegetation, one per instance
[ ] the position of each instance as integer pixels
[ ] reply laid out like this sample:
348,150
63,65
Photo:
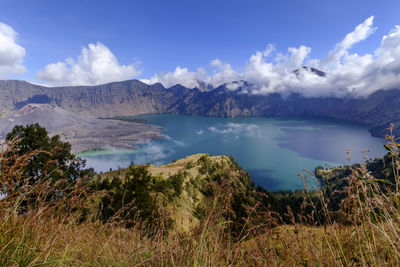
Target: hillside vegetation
184,188
198,211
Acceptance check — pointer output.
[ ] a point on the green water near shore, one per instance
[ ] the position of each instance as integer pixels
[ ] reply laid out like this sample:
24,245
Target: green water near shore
90,153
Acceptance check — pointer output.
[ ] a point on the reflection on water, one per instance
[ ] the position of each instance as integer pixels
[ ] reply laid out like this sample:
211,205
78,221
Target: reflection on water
272,150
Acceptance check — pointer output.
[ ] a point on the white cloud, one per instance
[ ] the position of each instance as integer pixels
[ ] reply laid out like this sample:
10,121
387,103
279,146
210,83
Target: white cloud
180,76
347,73
298,55
223,74
95,65
360,33
11,53
237,129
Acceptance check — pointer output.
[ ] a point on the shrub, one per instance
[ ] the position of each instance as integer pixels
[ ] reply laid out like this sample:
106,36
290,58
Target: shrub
129,199
177,183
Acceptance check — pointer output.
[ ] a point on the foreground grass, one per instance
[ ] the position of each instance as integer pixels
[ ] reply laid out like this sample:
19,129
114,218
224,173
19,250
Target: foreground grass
34,241
365,231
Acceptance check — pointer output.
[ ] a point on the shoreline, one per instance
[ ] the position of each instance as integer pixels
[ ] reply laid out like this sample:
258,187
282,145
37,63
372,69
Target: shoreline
112,151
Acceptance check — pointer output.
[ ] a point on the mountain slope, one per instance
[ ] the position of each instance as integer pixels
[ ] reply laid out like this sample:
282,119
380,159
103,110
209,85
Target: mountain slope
83,132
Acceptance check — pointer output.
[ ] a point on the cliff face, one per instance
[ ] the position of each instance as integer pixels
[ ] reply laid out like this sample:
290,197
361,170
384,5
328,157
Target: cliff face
12,92
119,98
134,97
123,98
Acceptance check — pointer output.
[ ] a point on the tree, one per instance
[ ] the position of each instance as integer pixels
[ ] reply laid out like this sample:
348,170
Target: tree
130,198
53,159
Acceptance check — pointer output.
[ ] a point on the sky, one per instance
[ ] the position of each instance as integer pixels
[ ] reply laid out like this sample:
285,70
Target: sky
90,42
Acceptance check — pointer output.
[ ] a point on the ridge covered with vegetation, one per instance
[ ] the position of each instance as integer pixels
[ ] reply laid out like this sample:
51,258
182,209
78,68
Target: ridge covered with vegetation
198,211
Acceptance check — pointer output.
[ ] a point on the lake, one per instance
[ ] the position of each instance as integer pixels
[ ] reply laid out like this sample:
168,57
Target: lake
272,150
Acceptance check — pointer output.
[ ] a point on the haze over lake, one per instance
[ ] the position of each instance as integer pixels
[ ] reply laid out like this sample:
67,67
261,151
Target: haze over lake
272,150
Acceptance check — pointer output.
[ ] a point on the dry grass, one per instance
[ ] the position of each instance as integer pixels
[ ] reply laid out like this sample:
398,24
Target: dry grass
51,234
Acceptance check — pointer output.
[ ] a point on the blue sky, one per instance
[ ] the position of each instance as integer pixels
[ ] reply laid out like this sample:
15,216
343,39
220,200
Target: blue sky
158,36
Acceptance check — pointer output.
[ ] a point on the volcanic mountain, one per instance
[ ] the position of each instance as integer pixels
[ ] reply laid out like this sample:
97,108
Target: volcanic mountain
83,132
133,97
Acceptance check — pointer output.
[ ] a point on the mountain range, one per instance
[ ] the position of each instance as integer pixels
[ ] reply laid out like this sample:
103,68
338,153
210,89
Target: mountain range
134,97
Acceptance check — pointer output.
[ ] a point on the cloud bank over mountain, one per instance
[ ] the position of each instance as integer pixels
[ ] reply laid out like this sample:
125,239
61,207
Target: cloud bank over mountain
11,53
269,71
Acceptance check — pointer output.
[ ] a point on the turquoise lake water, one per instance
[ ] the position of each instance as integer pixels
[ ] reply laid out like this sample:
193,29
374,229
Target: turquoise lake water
272,150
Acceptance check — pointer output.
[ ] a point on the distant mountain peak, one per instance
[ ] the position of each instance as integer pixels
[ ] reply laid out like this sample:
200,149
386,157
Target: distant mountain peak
309,69
203,86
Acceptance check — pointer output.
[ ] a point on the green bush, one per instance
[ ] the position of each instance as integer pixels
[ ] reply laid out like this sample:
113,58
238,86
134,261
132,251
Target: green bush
129,199
177,183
